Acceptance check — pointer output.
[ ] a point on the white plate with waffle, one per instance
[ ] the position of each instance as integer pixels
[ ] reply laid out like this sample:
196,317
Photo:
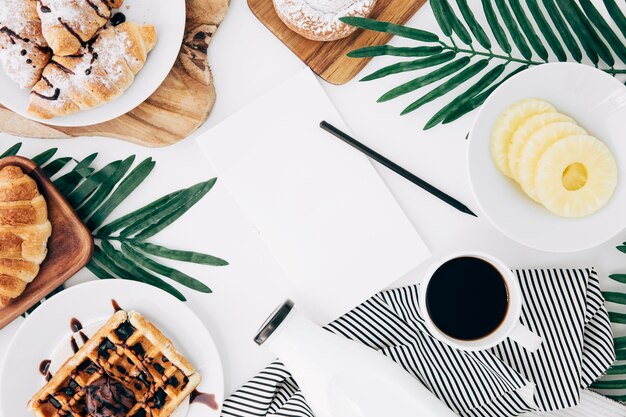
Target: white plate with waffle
167,17
150,355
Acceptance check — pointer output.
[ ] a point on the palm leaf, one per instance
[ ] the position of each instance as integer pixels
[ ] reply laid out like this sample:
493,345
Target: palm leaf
618,277
614,297
447,86
68,182
52,168
174,215
424,80
620,342
179,255
616,370
391,28
12,151
173,274
609,384
619,318
45,156
546,30
105,188
380,50
124,189
570,23
411,65
91,183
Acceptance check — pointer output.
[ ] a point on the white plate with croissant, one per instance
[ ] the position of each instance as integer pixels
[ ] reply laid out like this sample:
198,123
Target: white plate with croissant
84,62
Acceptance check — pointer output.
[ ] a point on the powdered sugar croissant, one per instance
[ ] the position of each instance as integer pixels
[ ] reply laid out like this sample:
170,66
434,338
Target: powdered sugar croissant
99,73
23,50
24,232
68,24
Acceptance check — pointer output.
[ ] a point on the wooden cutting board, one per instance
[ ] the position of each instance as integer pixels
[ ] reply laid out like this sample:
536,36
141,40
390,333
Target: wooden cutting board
179,106
69,247
328,59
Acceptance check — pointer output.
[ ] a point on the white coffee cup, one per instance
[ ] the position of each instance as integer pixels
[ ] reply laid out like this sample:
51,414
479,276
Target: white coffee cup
509,327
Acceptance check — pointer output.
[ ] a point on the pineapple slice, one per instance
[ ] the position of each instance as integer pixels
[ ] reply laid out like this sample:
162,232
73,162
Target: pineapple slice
576,176
507,124
534,148
524,131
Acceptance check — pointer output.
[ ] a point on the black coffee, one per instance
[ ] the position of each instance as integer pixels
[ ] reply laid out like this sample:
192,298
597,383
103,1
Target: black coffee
467,298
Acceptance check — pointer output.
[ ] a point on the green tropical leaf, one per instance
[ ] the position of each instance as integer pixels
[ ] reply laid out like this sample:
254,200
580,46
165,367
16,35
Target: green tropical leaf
447,86
489,78
380,50
166,271
561,26
579,29
12,151
391,28
618,277
411,65
98,271
68,182
495,26
475,28
125,188
105,188
619,318
425,80
603,27
609,384
614,297
528,29
121,265
616,14
52,168
91,183
546,30
603,50
442,17
516,35
44,157
139,215
616,370
179,255
177,202
455,23
620,342
174,215
479,99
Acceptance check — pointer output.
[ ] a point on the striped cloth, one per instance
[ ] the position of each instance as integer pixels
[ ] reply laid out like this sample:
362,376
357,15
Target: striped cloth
565,307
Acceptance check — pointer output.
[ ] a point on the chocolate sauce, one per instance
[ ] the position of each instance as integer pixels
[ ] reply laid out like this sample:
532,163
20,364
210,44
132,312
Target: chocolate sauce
97,9
118,19
23,52
83,336
204,398
116,306
75,325
70,30
73,344
53,97
44,369
45,9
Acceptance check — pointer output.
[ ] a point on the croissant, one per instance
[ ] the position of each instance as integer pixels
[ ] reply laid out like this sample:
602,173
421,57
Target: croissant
24,51
98,74
24,232
68,24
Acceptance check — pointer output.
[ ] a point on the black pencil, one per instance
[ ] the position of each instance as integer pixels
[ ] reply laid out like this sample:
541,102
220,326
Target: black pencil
396,168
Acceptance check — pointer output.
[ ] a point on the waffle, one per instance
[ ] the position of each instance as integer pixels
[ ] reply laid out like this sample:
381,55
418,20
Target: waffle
128,368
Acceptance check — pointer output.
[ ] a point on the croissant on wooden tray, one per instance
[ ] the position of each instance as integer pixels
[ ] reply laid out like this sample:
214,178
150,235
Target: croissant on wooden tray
99,73
24,232
68,24
24,51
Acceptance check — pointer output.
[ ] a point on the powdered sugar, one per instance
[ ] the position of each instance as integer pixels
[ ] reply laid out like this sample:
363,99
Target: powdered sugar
16,66
321,17
71,12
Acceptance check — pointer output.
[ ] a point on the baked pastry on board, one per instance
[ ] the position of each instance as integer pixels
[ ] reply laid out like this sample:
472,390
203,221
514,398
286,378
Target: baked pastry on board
318,20
24,51
99,73
24,232
128,368
68,24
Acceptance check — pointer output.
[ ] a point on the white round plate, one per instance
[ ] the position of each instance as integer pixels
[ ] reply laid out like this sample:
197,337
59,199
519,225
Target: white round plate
597,102
46,333
169,19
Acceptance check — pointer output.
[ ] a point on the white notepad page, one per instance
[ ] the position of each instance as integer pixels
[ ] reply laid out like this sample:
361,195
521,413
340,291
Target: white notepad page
328,218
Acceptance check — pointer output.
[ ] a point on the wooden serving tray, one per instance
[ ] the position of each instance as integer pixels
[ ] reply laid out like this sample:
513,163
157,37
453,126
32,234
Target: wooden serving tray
328,59
69,247
180,105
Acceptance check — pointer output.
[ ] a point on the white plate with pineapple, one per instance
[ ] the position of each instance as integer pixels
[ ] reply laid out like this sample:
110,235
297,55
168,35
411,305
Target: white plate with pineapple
546,157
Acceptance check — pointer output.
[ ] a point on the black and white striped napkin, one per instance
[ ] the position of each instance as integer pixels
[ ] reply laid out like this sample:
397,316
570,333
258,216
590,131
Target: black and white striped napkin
565,307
